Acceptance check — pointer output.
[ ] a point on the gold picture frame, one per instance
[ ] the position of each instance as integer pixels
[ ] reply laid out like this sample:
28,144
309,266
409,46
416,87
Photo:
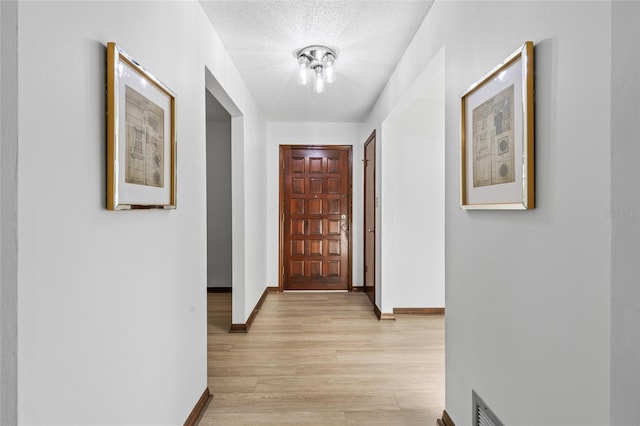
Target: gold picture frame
141,136
497,137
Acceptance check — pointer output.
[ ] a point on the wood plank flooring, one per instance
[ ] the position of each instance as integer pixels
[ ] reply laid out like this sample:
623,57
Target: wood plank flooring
324,359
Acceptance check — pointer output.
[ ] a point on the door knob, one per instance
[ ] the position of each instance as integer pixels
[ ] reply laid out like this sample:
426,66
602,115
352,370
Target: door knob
371,229
344,225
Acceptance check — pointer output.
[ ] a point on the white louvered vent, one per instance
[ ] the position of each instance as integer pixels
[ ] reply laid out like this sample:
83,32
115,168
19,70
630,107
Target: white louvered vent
482,415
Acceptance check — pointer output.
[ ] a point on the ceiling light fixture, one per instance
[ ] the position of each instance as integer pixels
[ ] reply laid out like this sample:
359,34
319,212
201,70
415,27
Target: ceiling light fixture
316,62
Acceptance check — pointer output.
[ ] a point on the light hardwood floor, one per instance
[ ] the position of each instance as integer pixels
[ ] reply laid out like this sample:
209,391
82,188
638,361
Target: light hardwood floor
324,359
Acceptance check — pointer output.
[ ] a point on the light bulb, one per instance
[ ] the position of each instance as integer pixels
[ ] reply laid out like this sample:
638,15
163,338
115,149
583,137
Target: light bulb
329,59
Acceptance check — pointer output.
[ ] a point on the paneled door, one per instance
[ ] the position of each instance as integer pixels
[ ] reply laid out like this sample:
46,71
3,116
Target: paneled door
315,217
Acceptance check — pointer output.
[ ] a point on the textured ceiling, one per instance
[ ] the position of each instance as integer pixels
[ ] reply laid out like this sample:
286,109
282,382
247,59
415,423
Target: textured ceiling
260,37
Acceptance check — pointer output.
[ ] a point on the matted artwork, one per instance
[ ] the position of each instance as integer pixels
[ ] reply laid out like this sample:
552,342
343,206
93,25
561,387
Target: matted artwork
497,169
141,136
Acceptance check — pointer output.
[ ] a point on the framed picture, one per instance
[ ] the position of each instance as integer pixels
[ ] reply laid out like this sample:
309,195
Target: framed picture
497,137
141,136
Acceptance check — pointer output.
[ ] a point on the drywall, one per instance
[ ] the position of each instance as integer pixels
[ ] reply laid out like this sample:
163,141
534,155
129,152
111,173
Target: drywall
527,293
312,134
112,305
411,234
8,212
625,214
219,224
255,199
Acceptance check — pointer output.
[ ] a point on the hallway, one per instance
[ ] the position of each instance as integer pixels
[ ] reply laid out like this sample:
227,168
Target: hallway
324,359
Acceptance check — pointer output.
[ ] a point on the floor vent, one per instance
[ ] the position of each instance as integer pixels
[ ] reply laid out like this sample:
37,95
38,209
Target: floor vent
482,415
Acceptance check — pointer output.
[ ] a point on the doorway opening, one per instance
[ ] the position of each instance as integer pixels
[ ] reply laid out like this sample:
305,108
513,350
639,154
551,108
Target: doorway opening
219,214
235,204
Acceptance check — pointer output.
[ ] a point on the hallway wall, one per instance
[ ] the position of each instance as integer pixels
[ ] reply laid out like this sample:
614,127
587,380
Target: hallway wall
527,293
112,305
411,216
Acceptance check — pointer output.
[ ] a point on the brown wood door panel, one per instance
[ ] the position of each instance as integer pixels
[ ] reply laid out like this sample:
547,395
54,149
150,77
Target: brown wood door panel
315,205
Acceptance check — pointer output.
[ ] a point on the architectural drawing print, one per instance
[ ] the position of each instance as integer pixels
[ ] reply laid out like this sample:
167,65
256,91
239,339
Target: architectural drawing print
493,143
144,160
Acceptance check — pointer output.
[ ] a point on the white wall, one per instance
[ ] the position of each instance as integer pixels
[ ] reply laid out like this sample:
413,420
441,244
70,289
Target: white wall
313,134
256,198
8,208
625,214
219,224
411,273
527,293
112,305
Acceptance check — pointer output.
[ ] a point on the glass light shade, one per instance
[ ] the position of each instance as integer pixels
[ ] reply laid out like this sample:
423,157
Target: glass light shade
318,86
330,73
303,71
303,76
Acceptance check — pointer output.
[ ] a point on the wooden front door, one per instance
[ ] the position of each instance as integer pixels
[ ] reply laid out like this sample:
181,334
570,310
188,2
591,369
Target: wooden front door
315,217
370,217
